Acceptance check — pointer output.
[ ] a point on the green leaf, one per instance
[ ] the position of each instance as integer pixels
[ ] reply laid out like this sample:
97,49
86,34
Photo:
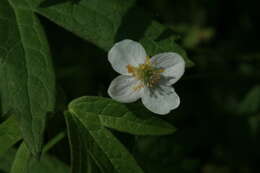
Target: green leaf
104,22
22,159
100,144
25,163
82,145
6,160
251,103
88,136
130,118
9,134
49,164
26,73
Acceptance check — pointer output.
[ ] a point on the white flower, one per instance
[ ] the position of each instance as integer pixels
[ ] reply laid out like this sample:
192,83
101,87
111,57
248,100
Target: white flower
147,78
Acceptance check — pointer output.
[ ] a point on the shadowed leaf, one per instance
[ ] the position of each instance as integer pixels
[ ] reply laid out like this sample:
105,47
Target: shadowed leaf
27,78
9,134
130,118
105,22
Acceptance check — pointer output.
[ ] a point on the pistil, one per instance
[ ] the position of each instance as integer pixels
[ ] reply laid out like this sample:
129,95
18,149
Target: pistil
147,73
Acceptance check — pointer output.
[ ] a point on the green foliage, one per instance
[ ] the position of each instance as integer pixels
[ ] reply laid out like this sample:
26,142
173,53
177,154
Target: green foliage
85,153
9,134
6,160
113,20
22,159
86,121
25,163
121,159
27,82
103,154
217,123
27,78
133,119
251,103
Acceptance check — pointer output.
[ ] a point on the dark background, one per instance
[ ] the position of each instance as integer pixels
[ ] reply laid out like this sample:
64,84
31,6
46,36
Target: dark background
218,120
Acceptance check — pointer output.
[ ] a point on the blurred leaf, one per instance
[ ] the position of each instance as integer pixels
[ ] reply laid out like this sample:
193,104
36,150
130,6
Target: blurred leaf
9,134
105,22
6,160
98,142
251,103
27,79
22,159
49,164
210,168
195,35
254,122
130,118
25,163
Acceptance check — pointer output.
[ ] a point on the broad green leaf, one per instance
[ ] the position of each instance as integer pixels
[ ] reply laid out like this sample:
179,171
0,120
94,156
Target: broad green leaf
26,73
6,160
100,144
22,159
79,156
104,22
9,134
86,124
130,118
84,150
25,163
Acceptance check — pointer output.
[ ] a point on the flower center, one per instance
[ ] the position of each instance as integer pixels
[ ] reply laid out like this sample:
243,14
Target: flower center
147,73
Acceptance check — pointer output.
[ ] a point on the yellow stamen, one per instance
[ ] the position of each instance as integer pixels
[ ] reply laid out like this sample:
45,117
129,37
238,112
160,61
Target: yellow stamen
160,70
130,68
147,73
138,87
148,60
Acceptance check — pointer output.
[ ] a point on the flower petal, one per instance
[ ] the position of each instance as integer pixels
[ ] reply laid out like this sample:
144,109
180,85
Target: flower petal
125,89
160,100
173,65
126,52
